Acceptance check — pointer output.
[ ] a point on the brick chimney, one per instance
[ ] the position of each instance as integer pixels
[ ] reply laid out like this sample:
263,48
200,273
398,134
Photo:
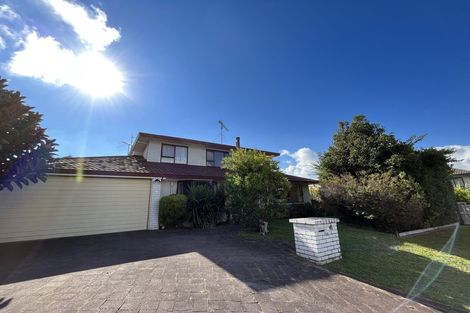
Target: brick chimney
238,143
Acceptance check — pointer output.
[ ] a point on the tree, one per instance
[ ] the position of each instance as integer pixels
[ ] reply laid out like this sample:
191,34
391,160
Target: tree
430,168
256,188
362,148
26,151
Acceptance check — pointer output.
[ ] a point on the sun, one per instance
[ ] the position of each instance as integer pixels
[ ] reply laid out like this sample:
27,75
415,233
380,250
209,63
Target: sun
98,76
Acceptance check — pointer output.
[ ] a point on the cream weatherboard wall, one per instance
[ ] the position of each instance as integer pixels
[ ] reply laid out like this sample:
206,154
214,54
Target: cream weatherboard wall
66,206
169,187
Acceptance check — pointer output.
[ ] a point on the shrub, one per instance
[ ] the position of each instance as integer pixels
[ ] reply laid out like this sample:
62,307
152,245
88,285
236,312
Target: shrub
172,209
220,201
462,194
389,202
297,210
361,148
430,169
256,188
314,191
204,205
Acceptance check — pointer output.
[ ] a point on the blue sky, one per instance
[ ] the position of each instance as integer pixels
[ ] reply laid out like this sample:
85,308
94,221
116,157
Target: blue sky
280,74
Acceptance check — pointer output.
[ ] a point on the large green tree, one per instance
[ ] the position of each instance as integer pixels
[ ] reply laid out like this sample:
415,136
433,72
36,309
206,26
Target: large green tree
26,151
256,188
430,168
361,148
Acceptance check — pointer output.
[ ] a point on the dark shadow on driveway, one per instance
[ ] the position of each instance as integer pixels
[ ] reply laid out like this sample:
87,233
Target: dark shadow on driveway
260,265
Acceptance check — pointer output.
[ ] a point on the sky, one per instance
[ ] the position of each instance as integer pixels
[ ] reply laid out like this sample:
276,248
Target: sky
280,74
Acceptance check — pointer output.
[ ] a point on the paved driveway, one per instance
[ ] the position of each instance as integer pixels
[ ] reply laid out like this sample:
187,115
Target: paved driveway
159,271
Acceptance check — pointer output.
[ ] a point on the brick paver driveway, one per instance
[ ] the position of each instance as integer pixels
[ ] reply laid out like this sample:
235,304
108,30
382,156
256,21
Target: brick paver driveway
181,270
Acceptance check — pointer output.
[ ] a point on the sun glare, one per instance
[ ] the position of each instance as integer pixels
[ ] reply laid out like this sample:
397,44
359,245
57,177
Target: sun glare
98,76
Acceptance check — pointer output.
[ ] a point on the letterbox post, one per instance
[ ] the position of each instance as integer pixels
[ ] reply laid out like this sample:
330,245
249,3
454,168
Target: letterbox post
316,238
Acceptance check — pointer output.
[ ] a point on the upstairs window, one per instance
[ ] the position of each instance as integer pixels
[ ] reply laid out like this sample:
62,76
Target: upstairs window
214,158
174,154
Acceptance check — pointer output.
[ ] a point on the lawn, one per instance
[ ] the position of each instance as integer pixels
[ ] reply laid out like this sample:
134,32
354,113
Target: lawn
435,265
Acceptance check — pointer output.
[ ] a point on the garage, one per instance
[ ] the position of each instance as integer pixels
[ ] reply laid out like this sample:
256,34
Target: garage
74,206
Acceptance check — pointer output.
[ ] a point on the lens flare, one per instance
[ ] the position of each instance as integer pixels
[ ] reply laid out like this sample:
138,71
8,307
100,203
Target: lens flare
430,273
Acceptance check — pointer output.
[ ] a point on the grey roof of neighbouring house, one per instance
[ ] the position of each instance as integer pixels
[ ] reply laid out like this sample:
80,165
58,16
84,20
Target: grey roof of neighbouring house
138,166
457,171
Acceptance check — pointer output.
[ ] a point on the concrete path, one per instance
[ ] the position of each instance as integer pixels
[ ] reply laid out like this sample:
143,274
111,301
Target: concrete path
177,270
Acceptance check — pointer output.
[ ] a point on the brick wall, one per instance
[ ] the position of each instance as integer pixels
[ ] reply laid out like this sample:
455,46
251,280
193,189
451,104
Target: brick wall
317,242
154,203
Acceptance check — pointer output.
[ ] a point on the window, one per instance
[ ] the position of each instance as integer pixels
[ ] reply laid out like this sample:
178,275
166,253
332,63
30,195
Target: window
174,154
214,158
458,182
181,155
185,185
296,193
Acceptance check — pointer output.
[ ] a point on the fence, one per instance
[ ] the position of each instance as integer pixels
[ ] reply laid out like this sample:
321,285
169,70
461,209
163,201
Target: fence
464,211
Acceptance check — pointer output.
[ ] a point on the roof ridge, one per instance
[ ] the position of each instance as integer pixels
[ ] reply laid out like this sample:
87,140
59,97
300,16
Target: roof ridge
211,144
186,139
301,177
460,171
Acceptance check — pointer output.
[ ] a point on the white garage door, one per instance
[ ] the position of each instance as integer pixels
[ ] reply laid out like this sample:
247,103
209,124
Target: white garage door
65,206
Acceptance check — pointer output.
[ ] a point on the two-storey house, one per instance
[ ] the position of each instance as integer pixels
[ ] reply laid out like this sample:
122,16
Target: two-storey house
92,195
183,162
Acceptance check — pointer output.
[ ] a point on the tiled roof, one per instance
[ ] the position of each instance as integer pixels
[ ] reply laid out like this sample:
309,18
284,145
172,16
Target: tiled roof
134,166
458,171
116,164
138,166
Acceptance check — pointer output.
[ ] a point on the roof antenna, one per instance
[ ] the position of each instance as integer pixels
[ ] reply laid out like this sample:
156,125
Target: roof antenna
128,144
222,128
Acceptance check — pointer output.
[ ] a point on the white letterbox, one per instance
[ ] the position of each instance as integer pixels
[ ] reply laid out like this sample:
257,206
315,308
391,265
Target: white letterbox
316,238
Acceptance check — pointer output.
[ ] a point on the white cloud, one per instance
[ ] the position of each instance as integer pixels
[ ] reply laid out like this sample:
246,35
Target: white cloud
8,32
461,154
300,163
44,57
92,30
15,38
7,13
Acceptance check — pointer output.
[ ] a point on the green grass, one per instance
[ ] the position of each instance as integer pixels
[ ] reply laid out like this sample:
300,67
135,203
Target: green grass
413,265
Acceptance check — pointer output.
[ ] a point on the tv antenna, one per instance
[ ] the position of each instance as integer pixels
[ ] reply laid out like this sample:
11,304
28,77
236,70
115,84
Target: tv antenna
222,128
128,144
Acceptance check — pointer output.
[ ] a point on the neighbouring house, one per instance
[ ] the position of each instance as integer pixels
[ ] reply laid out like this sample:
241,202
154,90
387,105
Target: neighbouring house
94,195
460,178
